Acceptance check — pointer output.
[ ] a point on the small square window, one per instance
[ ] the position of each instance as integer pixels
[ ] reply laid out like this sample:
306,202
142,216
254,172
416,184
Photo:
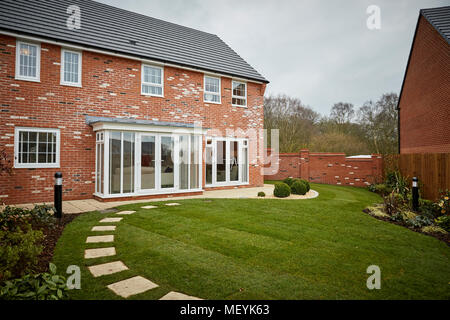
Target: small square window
212,90
70,68
28,61
36,148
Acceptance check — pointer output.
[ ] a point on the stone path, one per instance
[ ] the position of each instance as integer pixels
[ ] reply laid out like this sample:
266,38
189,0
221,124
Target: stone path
131,286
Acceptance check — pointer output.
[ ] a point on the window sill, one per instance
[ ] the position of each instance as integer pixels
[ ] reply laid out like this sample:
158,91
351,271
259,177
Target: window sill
28,79
210,102
236,105
36,166
151,95
76,85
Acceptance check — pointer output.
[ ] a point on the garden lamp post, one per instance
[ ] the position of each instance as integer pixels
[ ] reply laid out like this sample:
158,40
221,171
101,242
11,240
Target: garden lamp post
415,194
58,194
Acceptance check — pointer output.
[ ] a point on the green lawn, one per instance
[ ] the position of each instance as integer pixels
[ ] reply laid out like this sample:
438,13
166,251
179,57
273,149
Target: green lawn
263,249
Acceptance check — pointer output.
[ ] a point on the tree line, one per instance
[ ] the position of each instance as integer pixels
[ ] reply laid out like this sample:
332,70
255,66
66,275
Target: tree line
370,129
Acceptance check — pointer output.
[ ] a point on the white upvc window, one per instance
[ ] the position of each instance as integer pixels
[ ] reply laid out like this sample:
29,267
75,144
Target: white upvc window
239,94
211,90
152,81
36,148
71,68
28,61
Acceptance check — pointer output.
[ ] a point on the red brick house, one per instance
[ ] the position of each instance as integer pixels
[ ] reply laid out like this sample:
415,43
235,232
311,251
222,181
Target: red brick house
424,103
122,104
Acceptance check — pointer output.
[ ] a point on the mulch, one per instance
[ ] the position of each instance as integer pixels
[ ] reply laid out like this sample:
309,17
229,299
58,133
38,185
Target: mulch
51,238
443,237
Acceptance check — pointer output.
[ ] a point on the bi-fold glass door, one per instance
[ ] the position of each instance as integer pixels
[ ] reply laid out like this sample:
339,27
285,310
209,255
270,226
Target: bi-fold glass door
226,161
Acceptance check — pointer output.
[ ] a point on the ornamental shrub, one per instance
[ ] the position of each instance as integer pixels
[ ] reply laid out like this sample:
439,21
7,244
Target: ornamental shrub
299,187
261,194
19,251
282,190
289,181
308,186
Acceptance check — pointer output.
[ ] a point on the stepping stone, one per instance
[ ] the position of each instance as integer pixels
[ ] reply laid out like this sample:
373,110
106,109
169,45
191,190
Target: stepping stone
172,204
132,286
107,268
149,207
108,211
107,220
103,228
125,212
172,295
100,252
97,239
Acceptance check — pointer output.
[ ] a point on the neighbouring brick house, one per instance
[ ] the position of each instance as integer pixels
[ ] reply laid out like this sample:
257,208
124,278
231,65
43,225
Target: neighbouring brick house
124,106
424,104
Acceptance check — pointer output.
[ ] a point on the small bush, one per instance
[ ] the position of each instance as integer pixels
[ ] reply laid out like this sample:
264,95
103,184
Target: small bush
282,190
308,186
289,181
443,222
393,203
443,204
433,229
419,222
42,286
298,187
428,208
19,251
40,216
261,194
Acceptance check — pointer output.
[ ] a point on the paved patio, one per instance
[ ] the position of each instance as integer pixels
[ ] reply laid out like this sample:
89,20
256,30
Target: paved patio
78,206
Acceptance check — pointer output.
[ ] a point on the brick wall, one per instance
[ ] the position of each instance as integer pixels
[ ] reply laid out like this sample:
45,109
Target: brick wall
329,168
111,88
425,100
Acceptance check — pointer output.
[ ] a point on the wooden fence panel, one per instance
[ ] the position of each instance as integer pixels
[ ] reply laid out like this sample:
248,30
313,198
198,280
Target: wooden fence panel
432,169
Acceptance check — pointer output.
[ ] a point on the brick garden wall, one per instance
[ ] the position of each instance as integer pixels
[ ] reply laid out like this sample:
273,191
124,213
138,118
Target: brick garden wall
328,168
425,100
110,88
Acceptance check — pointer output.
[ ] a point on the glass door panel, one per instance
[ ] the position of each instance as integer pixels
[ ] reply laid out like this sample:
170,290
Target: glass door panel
167,162
115,143
221,166
148,161
234,163
194,162
128,162
184,162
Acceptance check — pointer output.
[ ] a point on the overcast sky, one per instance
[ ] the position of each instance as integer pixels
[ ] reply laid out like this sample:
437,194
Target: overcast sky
320,51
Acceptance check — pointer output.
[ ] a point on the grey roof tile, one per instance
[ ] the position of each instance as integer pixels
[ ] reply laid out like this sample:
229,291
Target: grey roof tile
439,18
110,28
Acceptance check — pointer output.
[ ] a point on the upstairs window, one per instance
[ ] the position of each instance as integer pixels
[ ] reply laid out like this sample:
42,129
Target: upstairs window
70,68
239,94
36,148
152,81
212,90
28,61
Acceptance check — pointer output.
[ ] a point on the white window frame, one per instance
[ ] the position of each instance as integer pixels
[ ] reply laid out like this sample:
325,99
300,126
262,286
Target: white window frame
239,97
38,61
161,85
80,58
211,92
17,131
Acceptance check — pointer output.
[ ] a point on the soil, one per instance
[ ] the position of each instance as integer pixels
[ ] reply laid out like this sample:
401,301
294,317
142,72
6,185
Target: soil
51,238
443,237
